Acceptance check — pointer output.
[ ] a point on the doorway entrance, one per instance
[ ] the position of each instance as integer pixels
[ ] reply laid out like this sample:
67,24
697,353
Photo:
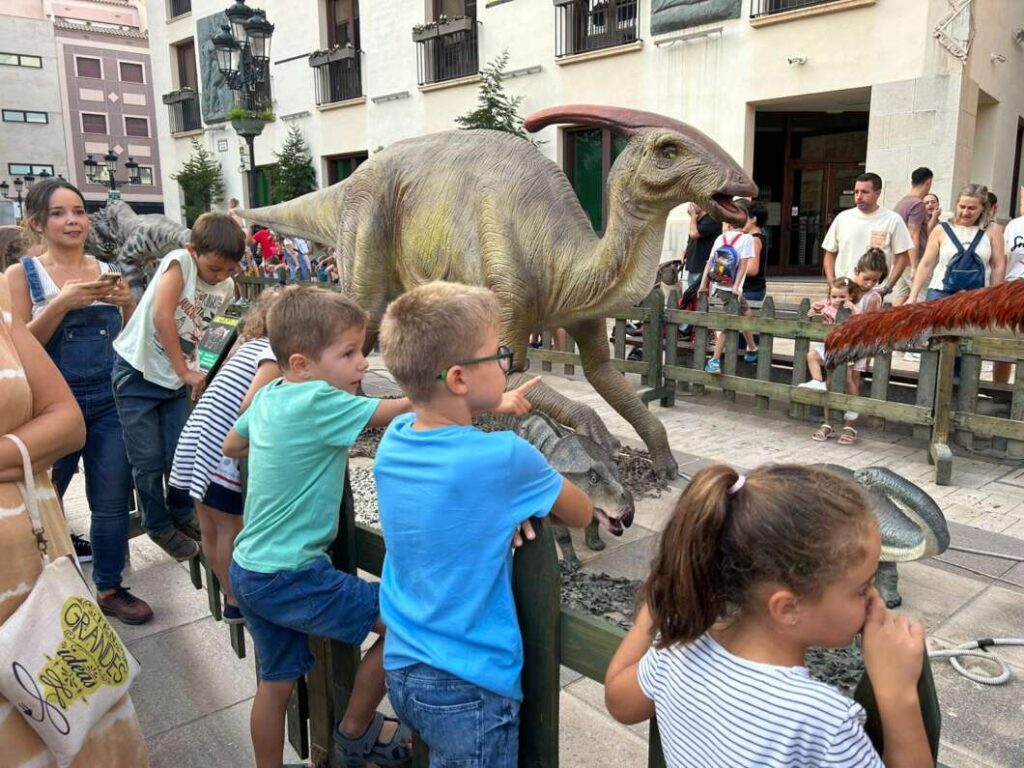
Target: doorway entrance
805,164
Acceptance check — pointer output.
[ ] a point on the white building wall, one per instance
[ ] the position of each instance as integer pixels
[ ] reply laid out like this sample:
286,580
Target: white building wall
714,82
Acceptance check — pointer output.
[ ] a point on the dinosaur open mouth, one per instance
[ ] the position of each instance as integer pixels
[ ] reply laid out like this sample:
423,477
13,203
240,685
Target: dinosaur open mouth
722,208
611,524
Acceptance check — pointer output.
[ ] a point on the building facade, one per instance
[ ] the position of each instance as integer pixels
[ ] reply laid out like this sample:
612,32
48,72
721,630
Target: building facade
32,125
806,94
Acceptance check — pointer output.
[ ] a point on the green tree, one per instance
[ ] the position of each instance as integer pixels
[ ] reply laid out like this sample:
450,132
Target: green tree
293,175
201,182
496,109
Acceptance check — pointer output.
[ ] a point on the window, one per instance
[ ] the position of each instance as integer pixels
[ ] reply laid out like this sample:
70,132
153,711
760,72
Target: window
146,175
20,60
343,23
136,126
131,73
88,67
340,167
589,154
24,169
179,8
23,116
92,123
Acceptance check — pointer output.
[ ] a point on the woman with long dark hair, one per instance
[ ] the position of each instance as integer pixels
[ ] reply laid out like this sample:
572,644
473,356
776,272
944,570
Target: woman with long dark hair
76,306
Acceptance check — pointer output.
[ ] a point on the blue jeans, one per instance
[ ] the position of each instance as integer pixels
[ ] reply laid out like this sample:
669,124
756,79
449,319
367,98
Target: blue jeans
464,725
152,417
935,293
693,277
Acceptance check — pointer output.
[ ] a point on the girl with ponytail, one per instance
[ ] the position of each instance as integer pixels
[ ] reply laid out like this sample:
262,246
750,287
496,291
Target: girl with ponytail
752,571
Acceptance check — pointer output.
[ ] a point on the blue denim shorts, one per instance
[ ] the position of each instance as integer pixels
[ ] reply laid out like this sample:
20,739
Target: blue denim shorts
463,724
283,609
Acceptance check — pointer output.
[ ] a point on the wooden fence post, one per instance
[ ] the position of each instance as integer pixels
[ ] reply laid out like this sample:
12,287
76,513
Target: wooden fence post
927,377
1015,448
880,370
939,453
731,349
967,393
801,345
700,343
668,397
546,343
765,350
570,346
653,345
536,585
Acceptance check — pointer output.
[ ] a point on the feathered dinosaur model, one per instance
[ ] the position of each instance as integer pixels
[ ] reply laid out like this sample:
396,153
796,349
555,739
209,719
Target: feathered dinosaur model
486,208
998,310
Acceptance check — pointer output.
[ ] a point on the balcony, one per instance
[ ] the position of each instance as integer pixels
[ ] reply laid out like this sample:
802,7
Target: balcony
337,75
448,50
762,8
179,8
183,108
582,26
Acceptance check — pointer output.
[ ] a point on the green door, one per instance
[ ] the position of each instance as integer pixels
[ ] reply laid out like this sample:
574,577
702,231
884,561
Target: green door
591,154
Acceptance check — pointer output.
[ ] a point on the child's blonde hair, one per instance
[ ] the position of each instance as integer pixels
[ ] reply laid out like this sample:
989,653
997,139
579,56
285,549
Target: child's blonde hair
256,319
431,327
305,320
794,525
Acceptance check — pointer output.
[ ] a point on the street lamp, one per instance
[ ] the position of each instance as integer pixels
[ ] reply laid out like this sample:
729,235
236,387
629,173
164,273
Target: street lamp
243,57
94,176
5,189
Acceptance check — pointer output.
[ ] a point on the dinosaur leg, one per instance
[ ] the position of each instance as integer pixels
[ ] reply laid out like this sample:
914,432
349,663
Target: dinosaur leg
594,541
572,562
887,581
591,335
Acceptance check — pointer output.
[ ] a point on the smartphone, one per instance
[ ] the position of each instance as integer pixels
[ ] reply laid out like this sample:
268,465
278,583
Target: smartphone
111,277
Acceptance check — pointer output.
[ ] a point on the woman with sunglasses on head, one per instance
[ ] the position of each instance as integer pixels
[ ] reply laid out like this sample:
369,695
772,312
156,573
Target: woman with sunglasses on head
75,306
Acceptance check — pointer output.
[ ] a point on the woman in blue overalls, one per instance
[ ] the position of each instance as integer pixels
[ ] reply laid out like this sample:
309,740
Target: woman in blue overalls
76,306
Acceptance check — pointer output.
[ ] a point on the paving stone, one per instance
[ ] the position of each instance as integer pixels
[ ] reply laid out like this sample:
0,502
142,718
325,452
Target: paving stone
591,693
931,595
188,673
995,612
587,738
970,537
632,561
215,741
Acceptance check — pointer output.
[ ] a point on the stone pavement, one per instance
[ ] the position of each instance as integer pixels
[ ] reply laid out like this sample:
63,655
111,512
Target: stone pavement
194,695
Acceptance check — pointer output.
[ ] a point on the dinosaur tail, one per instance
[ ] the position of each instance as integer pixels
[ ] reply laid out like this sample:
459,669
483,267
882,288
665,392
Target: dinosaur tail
1000,306
315,216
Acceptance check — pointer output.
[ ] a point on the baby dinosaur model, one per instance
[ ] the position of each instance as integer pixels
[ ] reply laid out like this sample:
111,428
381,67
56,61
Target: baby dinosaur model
588,466
911,523
486,208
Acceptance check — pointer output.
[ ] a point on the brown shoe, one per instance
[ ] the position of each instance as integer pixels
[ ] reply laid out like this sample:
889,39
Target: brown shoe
176,544
125,606
191,529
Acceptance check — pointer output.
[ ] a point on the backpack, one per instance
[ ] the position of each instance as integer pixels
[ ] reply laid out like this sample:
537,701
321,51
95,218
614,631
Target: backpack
966,271
725,262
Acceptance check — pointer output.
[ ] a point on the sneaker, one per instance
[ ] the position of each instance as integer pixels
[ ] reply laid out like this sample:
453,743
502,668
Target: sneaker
191,529
232,615
713,366
125,606
176,544
83,549
816,384
750,357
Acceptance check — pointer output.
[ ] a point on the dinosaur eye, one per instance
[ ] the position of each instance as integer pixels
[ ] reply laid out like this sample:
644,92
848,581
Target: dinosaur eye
669,152
593,477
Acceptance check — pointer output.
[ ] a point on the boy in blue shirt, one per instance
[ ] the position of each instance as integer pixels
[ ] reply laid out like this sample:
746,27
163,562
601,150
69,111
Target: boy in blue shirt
451,499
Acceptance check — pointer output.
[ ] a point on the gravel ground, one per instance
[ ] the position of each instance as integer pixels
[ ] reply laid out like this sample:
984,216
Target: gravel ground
612,597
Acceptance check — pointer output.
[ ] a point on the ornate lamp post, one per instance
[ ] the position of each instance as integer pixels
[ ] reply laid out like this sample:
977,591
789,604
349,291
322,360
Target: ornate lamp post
93,174
19,184
243,57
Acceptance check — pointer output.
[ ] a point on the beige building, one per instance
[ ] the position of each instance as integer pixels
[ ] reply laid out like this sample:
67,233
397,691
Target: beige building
806,94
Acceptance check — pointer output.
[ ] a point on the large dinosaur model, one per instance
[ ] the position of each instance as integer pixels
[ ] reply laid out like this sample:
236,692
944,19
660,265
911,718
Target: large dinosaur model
998,311
119,235
911,523
486,208
591,468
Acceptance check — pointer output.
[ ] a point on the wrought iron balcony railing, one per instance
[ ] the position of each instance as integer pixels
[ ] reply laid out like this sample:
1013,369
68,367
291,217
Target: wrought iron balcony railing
183,107
590,25
759,8
447,50
337,75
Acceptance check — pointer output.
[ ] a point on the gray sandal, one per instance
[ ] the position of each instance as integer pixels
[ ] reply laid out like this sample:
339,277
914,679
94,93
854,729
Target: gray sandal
364,749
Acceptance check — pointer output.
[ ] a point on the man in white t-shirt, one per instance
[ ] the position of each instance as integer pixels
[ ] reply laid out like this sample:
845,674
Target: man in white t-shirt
1013,237
720,279
867,226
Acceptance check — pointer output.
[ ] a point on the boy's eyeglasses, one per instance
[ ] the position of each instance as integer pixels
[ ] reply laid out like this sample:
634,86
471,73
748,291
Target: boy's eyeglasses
504,358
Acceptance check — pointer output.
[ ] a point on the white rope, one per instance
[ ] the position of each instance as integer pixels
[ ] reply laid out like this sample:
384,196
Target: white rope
976,649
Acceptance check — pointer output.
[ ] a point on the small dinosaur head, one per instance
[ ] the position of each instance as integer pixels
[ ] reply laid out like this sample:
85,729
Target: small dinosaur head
588,466
666,163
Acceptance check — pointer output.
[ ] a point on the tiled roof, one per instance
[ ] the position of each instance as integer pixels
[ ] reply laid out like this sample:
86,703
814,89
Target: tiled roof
76,27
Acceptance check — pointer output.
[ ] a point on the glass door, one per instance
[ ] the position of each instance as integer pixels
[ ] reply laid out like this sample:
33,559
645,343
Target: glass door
806,219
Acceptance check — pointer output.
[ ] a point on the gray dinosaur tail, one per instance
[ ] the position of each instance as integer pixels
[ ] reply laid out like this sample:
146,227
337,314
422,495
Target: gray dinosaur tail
315,216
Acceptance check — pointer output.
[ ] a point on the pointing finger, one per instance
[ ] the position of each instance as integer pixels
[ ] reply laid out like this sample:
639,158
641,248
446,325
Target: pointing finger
531,384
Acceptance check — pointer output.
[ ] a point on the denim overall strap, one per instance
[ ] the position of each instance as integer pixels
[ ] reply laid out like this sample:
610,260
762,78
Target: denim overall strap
35,282
82,347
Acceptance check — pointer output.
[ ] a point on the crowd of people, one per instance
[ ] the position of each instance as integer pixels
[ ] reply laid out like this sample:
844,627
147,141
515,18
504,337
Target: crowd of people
750,572
870,254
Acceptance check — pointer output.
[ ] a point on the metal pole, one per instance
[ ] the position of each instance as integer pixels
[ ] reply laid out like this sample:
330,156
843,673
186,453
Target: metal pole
250,141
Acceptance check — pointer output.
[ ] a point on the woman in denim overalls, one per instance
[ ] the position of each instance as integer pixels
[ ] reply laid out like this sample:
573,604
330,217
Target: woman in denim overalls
76,312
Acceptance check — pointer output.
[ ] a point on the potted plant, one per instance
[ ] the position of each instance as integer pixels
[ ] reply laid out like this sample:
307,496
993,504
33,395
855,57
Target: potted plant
182,94
443,26
249,123
337,53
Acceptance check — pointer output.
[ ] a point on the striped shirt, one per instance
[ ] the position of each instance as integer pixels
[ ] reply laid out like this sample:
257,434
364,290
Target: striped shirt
716,710
199,454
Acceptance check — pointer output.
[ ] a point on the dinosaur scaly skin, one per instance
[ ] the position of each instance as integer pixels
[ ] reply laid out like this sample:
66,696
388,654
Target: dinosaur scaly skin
486,208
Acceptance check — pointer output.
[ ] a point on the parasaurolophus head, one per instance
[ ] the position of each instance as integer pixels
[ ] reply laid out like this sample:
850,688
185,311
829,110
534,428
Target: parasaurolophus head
666,162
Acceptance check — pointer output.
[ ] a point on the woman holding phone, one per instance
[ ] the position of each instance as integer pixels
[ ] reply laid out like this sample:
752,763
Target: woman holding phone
76,306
